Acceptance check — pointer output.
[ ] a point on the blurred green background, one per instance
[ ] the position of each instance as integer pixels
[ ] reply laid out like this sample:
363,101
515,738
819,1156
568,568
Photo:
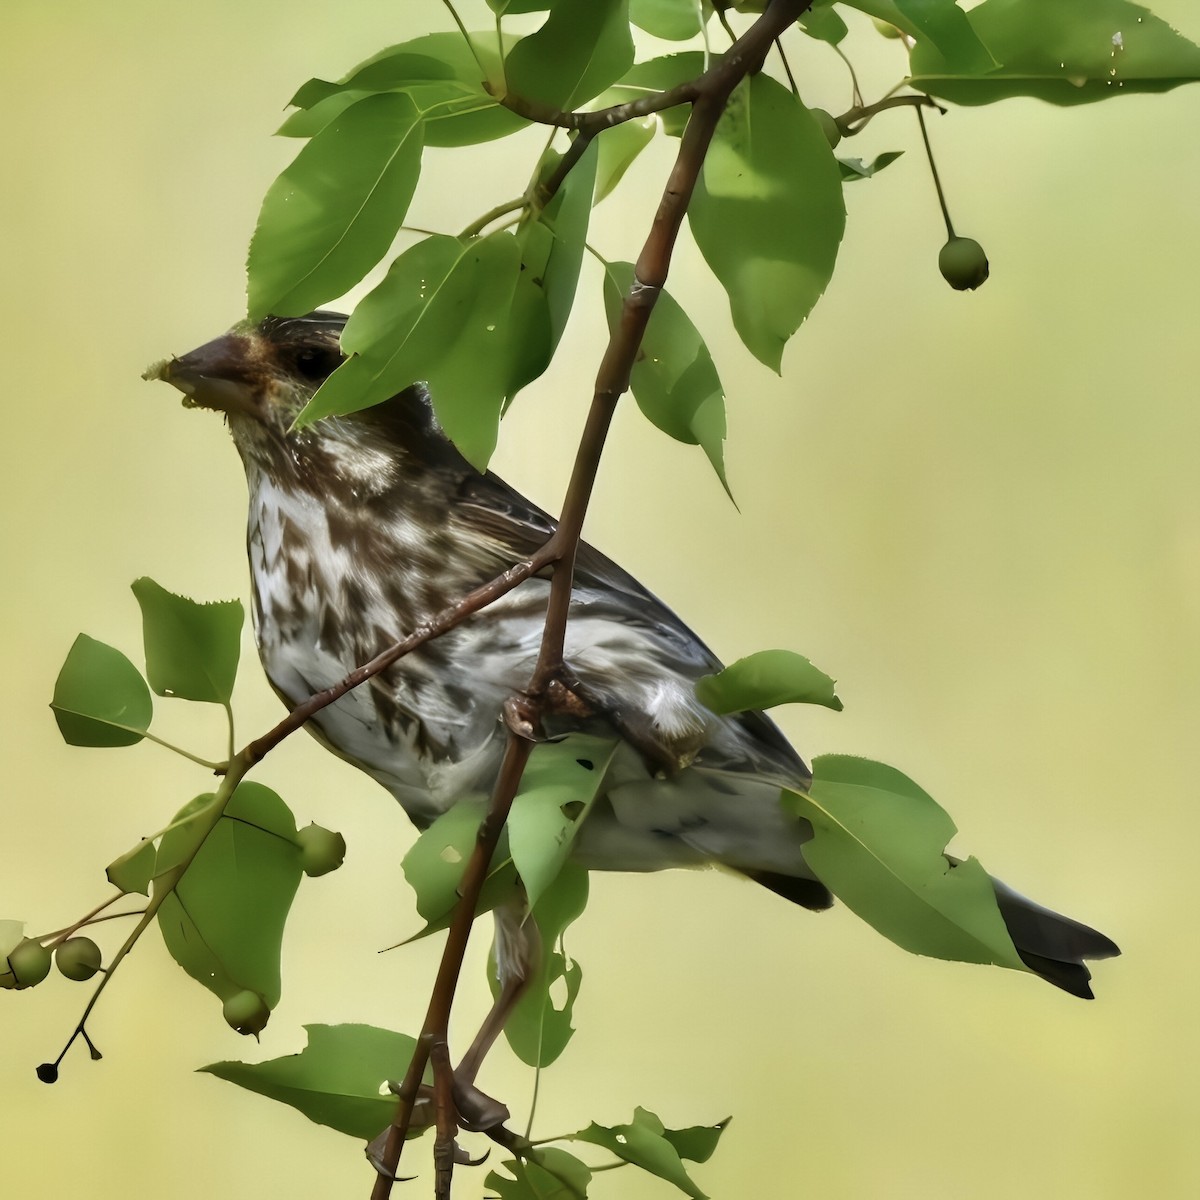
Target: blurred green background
979,512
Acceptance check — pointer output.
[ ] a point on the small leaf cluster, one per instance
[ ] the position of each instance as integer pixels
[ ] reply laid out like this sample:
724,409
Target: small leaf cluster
477,314
220,877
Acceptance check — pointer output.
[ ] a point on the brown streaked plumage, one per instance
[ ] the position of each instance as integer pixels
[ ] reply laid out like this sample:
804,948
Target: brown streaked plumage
360,526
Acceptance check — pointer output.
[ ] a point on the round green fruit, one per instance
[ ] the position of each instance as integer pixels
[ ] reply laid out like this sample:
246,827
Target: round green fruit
829,127
963,264
321,850
78,958
246,1012
29,963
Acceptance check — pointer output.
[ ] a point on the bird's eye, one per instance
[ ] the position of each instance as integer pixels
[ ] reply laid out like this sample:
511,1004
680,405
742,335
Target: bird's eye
316,364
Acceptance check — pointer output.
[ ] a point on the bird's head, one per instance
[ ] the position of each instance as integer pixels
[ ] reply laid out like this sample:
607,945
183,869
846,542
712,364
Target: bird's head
259,375
262,375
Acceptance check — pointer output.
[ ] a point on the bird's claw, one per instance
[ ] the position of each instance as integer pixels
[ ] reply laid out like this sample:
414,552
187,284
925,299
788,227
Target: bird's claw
477,1111
521,717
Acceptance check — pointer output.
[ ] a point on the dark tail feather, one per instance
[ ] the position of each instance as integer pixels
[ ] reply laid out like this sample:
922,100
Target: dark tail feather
1051,945
808,893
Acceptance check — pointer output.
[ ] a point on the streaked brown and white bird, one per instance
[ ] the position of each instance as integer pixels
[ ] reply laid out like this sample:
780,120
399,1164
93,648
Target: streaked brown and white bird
360,526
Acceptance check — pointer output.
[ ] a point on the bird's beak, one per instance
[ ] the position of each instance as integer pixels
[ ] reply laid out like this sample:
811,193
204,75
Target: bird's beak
217,375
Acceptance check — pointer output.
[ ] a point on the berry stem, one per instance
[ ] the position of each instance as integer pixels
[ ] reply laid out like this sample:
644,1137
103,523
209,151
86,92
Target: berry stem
937,183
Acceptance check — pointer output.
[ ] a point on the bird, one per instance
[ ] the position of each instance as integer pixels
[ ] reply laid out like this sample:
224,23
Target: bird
362,525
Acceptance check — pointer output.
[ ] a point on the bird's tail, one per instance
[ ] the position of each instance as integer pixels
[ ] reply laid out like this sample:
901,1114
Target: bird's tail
1051,945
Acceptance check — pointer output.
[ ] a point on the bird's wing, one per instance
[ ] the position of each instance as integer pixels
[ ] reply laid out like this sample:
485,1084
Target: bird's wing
611,610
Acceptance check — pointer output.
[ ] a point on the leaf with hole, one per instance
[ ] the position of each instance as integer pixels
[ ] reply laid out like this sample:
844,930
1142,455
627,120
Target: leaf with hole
644,1143
339,1079
556,793
540,1025
548,1173
435,863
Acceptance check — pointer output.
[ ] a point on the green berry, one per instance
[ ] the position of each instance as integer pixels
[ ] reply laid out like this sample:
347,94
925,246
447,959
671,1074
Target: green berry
29,963
829,127
78,958
963,264
247,1012
321,850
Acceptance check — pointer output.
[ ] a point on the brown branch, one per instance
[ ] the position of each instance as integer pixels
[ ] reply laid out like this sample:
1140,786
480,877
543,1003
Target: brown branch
437,1017
650,274
601,118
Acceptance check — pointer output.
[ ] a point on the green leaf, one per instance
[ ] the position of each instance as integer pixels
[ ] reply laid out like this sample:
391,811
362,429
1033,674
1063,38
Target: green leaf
12,934
442,315
548,1174
671,20
673,380
333,213
223,921
618,147
100,697
765,679
336,1080
698,1142
440,72
133,870
557,791
551,249
642,1142
538,1029
582,47
855,168
435,863
822,23
768,213
503,8
1063,52
192,649
935,23
878,844
944,26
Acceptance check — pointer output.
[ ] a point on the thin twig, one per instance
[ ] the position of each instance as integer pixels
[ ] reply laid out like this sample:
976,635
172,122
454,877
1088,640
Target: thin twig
600,118
787,70
937,183
860,114
493,214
